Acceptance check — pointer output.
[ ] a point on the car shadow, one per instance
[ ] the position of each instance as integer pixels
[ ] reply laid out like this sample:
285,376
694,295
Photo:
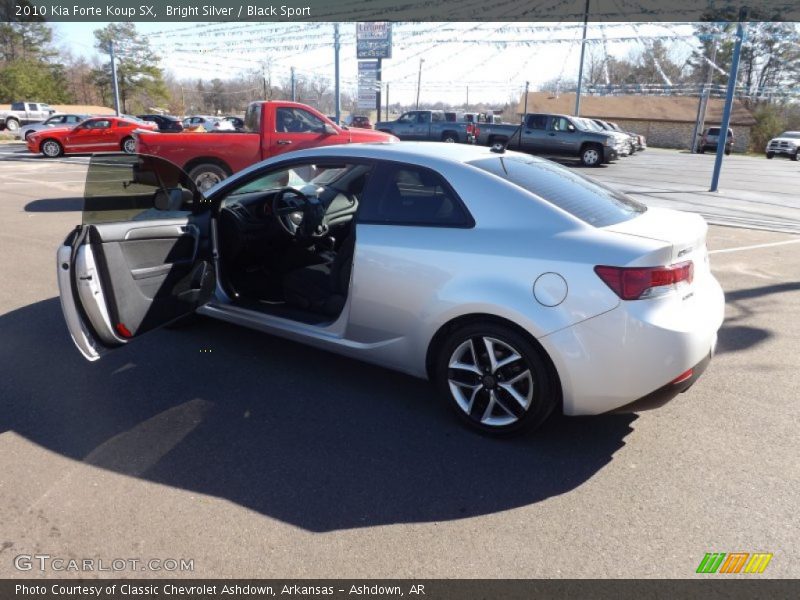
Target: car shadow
47,205
313,439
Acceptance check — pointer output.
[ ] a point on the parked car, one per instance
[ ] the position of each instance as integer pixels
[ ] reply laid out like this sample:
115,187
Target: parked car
23,113
786,144
430,125
57,120
554,135
166,123
626,145
196,121
98,134
237,122
270,128
638,142
709,140
566,296
359,121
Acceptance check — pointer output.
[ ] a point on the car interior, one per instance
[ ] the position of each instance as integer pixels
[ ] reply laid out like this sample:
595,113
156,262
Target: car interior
286,240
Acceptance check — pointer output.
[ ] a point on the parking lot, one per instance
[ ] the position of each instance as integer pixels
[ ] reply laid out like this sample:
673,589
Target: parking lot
250,454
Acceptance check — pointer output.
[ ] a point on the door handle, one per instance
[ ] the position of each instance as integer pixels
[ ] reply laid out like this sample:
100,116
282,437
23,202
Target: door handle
284,142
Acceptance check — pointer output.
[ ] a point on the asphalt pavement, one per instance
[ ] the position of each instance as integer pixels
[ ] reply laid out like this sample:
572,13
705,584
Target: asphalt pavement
256,457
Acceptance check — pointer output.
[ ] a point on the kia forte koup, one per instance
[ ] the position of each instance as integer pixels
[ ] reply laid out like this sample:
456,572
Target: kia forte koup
517,286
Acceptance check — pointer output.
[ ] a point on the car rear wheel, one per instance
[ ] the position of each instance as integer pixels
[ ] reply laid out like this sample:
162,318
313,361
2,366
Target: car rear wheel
52,148
495,379
207,175
592,156
770,155
129,145
449,138
795,155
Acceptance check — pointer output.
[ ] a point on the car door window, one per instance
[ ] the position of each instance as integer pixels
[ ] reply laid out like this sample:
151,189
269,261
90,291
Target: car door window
406,118
136,188
297,120
423,118
18,106
54,121
72,119
99,124
412,195
536,122
562,124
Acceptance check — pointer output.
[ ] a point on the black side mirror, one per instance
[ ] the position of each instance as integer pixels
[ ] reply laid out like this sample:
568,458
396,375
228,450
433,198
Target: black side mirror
329,129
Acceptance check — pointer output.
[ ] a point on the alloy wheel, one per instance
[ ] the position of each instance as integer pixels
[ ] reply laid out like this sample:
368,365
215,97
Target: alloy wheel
490,381
207,180
51,149
590,157
129,146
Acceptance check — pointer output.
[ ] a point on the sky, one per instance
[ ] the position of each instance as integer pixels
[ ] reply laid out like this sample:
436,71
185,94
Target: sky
480,62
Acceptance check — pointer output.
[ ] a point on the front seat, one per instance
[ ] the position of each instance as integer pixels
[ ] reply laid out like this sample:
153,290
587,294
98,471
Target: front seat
322,288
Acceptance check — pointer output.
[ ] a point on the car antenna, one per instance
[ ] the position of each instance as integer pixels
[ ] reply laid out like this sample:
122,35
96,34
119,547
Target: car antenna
500,148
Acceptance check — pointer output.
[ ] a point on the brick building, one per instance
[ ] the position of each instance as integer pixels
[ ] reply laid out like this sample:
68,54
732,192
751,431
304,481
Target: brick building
666,121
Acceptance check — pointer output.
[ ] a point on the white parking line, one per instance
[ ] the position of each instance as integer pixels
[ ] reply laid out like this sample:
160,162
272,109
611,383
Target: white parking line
755,247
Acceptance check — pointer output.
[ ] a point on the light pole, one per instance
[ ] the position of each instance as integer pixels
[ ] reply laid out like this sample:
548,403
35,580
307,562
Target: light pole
114,77
580,69
336,46
419,79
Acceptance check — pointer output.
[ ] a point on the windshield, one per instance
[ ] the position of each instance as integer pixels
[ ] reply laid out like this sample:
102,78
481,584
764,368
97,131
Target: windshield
584,198
795,135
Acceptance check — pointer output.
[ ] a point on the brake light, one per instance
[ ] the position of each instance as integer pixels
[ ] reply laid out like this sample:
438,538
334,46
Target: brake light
470,128
635,283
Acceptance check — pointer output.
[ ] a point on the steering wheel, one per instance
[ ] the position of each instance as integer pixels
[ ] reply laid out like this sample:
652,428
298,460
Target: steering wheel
300,216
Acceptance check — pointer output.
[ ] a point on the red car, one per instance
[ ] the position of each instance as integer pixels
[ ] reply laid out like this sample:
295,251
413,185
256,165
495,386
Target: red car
98,134
361,122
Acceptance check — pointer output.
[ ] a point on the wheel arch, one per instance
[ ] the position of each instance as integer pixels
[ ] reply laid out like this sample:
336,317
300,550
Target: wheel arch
206,160
452,325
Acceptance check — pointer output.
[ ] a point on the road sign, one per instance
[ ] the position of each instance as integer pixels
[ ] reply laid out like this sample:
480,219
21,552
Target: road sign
374,40
367,83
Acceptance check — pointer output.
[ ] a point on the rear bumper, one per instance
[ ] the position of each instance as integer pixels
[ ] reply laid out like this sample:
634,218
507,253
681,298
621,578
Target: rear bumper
635,349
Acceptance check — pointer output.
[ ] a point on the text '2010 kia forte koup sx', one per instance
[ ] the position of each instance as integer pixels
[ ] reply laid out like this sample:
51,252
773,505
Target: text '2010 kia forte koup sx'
516,285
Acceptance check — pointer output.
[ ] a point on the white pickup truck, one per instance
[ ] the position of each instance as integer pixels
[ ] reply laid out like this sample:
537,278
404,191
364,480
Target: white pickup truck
23,113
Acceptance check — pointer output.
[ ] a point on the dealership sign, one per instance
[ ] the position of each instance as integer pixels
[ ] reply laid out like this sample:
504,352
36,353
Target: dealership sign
374,40
367,83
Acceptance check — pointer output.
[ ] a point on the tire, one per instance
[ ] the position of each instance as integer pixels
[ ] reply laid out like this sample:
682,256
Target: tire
497,139
728,152
770,155
480,396
794,156
51,148
592,155
701,150
207,175
12,125
449,138
129,145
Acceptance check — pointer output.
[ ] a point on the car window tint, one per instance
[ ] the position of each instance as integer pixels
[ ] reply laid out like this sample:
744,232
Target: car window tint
412,195
18,106
583,198
54,120
536,122
72,119
122,187
561,124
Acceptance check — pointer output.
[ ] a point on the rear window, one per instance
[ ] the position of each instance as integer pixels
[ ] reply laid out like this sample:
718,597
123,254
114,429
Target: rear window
588,200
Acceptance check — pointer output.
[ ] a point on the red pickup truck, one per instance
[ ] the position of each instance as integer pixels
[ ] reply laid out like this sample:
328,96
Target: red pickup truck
270,128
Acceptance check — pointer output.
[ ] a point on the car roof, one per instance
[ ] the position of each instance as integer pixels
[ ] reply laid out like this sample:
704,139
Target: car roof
406,152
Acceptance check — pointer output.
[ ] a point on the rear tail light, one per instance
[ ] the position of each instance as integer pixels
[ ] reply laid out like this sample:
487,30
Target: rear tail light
638,283
470,128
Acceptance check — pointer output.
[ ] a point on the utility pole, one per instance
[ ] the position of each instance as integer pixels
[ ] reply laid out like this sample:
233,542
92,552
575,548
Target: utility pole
114,77
387,101
580,68
419,79
466,106
525,110
726,114
294,89
705,93
336,47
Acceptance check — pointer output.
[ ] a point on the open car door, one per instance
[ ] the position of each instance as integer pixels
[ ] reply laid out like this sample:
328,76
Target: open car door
142,256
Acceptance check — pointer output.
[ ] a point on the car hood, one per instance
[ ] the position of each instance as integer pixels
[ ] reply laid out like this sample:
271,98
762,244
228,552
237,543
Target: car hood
794,141
370,135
